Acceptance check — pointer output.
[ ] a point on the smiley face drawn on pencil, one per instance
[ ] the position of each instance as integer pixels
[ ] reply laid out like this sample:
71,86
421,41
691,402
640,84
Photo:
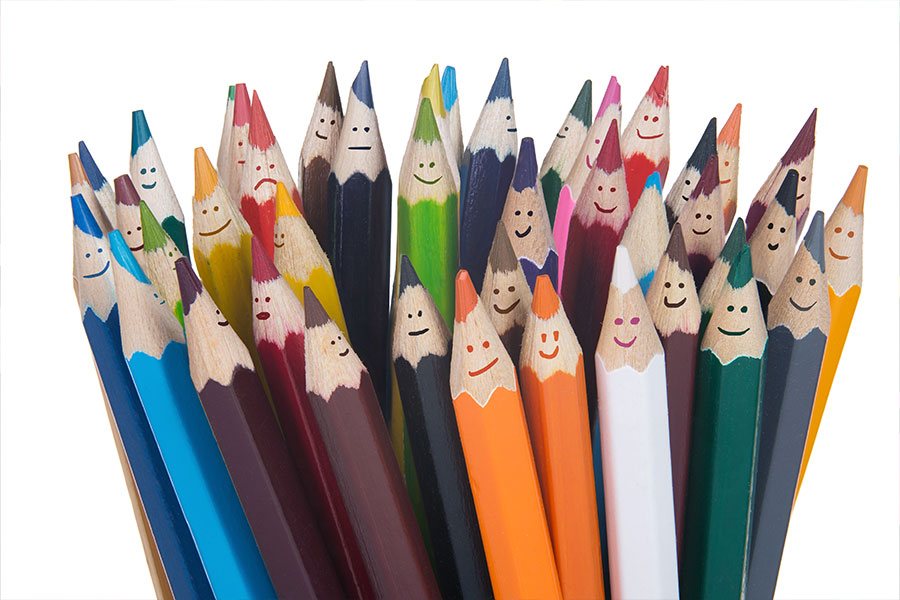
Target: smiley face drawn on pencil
222,321
843,238
326,123
426,172
649,127
339,346
673,290
211,213
98,254
727,168
362,134
521,222
134,238
92,259
626,331
279,237
735,326
775,230
240,144
500,114
701,224
260,303
504,298
804,182
481,354
549,339
147,178
159,298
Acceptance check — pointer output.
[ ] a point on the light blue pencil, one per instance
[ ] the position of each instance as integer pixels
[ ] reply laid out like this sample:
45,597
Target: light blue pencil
648,232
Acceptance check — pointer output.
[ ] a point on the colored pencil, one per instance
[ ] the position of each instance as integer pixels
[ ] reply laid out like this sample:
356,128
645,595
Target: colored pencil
799,156
223,159
264,170
724,440
279,332
81,186
240,144
702,222
634,442
154,348
495,442
564,208
555,398
160,255
427,200
451,105
843,262
675,308
254,451
95,290
645,141
596,229
798,323
152,182
718,274
421,356
680,193
486,171
647,232
431,89
359,447
128,217
102,190
527,222
728,147
301,260
565,148
317,153
506,294
359,217
772,245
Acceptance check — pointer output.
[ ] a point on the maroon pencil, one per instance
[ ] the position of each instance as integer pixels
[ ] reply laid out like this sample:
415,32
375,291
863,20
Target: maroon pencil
703,222
358,444
254,451
278,330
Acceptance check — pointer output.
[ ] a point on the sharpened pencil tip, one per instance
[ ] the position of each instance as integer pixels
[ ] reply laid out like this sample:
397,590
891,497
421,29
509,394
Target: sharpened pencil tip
581,109
448,87
676,249
735,241
803,144
315,314
786,195
612,96
241,105
610,157
188,283
205,176
125,192
152,232
815,239
329,95
76,171
502,87
706,147
502,256
731,131
231,93
855,196
431,89
466,297
526,166
362,86
408,275
709,178
545,302
659,89
83,218
124,257
140,131
261,135
90,167
284,204
426,125
741,271
623,277
263,267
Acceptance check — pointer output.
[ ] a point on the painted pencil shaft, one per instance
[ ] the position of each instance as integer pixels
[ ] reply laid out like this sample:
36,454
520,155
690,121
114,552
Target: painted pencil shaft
564,209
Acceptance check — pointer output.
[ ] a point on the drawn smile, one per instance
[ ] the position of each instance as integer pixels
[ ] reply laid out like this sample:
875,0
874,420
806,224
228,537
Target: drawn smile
800,196
219,230
673,305
647,137
685,198
587,159
262,316
99,273
837,256
426,182
136,248
701,232
222,323
419,332
264,180
507,310
521,235
605,210
359,147
724,181
562,137
148,187
623,344
512,130
240,162
733,333
344,353
551,355
484,369
320,136
773,247
277,245
802,308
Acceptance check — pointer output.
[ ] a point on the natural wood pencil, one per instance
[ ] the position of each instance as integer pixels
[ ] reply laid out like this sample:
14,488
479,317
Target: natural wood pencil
506,294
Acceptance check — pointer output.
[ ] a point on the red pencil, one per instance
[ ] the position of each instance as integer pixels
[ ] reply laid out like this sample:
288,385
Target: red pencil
645,140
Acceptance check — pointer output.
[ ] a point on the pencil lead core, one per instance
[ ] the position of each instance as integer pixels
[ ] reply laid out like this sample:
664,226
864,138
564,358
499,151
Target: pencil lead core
90,167
676,249
315,314
140,131
855,196
153,233
623,277
706,147
263,267
659,89
545,302
125,192
205,176
241,105
83,218
502,256
362,86
741,271
581,109
188,283
426,126
448,87
408,275
610,157
804,143
731,131
787,193
526,166
261,135
613,95
501,87
815,239
466,298
329,95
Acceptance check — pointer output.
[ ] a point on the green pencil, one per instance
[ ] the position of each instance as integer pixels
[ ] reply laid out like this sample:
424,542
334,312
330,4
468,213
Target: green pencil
710,289
160,254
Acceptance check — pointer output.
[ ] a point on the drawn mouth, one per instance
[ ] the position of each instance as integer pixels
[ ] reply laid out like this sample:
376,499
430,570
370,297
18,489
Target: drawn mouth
512,130
148,187
426,182
277,245
344,353
562,137
521,235
733,333
262,316
484,369
264,180
587,159
136,248
623,344
676,304
724,181
773,247
99,273
701,232
222,323
802,308
419,332
321,137
240,162
219,230
837,256
507,310
359,147
605,210
800,196
647,137
685,198
551,355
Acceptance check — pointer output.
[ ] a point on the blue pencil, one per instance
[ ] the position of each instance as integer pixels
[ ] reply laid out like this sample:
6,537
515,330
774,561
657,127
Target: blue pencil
451,106
154,348
100,316
102,189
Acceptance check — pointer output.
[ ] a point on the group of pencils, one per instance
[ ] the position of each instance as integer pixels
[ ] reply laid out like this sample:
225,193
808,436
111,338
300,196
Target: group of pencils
291,424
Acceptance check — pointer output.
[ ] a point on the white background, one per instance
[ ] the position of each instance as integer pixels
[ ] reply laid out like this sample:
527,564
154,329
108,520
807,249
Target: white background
73,72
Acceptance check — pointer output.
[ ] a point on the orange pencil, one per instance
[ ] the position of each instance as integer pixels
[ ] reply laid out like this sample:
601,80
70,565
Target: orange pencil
728,147
494,437
555,396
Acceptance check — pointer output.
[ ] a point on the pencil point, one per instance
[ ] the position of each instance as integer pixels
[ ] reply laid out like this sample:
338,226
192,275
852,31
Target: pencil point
502,256
90,167
654,181
741,268
261,135
804,143
125,192
623,277
431,89
315,314
706,147
855,196
581,109
786,195
362,86
83,218
153,233
526,166
659,89
501,88
545,302
735,242
205,176
188,283
466,298
284,204
140,131
613,95
610,157
448,87
241,105
76,171
815,239
329,95
408,275
231,93
709,179
263,267
676,249
731,131
426,126
124,257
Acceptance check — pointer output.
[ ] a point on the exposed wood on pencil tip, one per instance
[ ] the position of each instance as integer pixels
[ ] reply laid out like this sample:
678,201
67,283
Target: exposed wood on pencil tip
362,86
731,131
140,131
612,95
501,87
787,193
526,166
241,105
676,249
83,218
815,239
408,275
188,283
706,147
152,232
329,95
315,314
804,143
610,157
855,196
545,302
263,267
581,108
261,135
125,192
502,256
205,176
466,297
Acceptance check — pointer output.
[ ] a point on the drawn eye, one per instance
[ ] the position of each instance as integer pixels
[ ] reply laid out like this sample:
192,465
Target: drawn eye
470,348
743,309
803,178
543,337
709,217
508,117
431,165
204,211
321,120
597,141
782,230
271,166
153,170
409,315
420,313
681,285
139,228
837,230
240,144
486,344
366,129
771,225
518,212
635,320
356,129
687,182
697,216
339,337
850,234
88,255
530,213
619,321
99,250
655,119
812,282
612,190
496,291
567,128
256,299
215,208
128,232
258,168
332,121
268,299
512,288
799,280
599,188
646,118
217,312
668,285
556,336
421,165
332,342
170,254
143,171
730,308
726,163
